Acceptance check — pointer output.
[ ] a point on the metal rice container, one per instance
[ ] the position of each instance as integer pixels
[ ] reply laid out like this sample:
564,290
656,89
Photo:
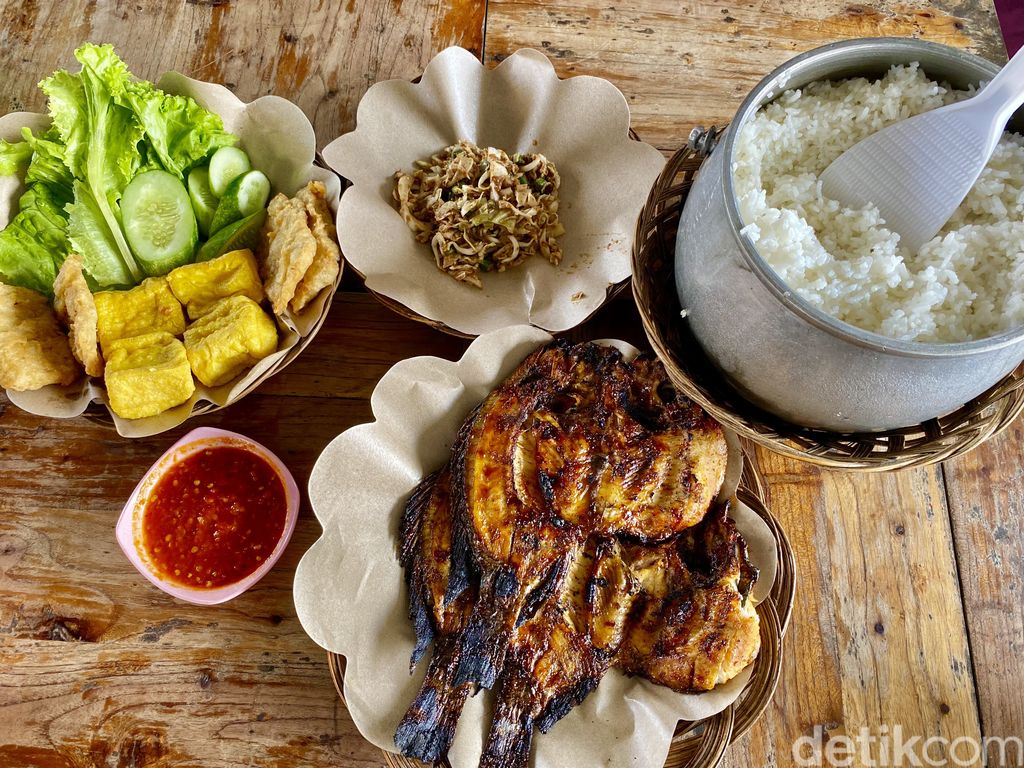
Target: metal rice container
779,351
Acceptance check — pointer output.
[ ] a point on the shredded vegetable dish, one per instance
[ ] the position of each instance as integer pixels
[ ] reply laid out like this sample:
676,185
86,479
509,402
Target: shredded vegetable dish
481,210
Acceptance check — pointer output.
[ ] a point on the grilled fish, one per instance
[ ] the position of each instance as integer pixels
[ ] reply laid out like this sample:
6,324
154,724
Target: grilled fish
560,654
565,537
438,613
521,468
692,626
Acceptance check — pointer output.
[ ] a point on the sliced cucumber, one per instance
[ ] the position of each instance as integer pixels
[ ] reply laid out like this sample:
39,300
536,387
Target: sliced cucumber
243,197
159,222
204,203
241,234
226,165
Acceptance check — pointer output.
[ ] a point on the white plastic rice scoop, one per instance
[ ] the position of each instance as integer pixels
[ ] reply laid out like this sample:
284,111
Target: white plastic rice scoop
919,170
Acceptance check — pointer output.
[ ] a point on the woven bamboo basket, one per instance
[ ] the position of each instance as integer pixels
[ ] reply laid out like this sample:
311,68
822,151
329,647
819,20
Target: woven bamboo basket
691,371
702,744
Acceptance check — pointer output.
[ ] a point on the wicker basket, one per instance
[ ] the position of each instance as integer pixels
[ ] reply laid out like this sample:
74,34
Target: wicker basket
702,744
691,371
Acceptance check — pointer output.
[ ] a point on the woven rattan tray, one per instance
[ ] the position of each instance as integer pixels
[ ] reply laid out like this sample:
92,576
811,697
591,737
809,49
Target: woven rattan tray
702,744
691,371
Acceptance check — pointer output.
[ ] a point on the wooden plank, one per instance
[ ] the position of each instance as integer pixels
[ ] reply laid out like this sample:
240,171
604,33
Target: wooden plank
692,63
877,637
986,497
100,666
62,574
73,705
322,56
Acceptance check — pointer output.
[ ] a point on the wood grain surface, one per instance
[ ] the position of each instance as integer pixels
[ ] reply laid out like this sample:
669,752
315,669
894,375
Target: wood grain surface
910,584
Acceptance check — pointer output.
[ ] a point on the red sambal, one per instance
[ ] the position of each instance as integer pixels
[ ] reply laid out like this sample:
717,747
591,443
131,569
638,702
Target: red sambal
214,517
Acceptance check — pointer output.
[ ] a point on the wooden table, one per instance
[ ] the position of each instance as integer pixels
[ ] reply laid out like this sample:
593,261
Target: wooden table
910,584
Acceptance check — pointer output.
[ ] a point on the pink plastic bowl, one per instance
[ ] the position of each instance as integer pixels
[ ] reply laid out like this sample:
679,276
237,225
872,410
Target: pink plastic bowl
129,525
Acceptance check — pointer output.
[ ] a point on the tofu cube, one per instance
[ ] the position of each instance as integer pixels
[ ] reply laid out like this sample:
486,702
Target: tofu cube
231,336
144,309
147,374
199,285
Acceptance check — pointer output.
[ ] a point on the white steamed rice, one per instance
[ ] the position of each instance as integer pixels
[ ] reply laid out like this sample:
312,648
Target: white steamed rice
967,283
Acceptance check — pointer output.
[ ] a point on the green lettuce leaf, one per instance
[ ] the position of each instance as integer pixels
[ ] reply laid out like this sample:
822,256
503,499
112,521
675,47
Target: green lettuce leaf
181,132
92,239
100,140
47,166
34,244
106,128
14,156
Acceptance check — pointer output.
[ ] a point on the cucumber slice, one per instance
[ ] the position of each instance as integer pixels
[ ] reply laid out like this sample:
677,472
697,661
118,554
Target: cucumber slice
226,165
241,234
204,203
159,222
243,197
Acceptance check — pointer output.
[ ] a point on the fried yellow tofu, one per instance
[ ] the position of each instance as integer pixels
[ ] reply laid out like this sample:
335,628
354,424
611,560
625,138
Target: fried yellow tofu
146,308
327,261
147,374
232,336
34,352
289,249
199,285
76,308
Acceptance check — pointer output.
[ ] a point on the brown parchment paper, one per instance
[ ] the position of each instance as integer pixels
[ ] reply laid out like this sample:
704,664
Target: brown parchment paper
280,142
581,124
351,597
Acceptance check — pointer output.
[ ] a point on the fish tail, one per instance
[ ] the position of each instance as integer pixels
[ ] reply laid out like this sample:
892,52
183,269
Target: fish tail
511,734
428,727
485,639
509,741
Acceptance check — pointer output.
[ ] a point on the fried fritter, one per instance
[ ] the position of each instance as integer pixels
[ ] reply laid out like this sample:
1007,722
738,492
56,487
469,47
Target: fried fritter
326,263
34,352
289,251
76,308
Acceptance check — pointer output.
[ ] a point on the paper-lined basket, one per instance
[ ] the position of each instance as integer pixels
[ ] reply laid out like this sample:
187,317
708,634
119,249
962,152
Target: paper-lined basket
280,142
581,124
358,489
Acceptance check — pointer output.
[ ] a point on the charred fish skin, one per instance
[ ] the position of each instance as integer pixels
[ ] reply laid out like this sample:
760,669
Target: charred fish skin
409,538
427,730
515,533
428,727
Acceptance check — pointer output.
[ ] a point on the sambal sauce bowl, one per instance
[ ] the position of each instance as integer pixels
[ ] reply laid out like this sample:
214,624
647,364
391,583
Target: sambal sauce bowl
129,529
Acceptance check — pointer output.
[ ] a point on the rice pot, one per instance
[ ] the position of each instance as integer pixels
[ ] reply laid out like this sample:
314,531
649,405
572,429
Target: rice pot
777,349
